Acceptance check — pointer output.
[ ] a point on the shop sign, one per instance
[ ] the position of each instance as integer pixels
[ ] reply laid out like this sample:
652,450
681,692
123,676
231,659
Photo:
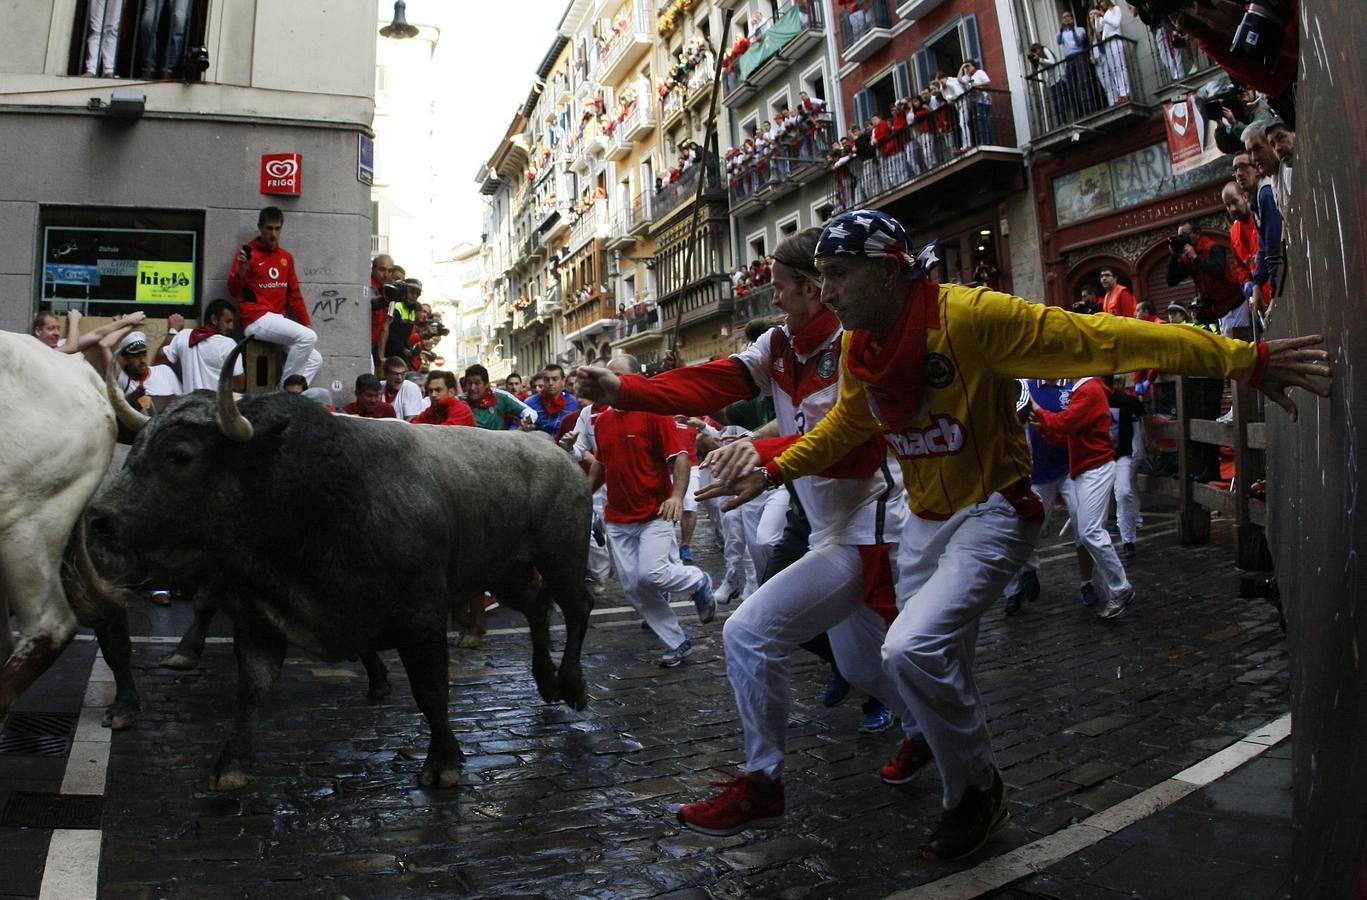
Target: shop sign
281,173
119,265
161,281
1130,180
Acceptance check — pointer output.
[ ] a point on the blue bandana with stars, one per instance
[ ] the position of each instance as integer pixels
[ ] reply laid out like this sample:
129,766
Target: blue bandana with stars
872,234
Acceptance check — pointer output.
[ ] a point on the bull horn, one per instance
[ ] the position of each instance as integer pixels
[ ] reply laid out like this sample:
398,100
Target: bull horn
128,417
230,420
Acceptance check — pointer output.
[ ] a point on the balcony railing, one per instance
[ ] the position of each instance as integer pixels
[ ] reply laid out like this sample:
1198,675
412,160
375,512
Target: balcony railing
864,28
142,53
672,196
592,224
626,47
700,80
638,123
754,303
792,33
639,320
1120,78
792,163
620,233
379,243
671,106
980,118
640,212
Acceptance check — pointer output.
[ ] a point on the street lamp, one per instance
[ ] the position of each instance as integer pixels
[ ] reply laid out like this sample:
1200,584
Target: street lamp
399,29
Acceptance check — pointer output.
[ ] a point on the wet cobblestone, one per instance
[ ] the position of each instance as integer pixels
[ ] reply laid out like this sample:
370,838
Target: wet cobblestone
559,803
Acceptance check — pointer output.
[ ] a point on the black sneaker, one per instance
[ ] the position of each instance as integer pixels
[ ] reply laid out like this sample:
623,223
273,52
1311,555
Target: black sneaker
1086,595
1013,603
1128,552
965,828
1030,586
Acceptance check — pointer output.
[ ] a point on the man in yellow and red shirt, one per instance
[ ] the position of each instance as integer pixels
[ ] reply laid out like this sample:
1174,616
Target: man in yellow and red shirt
263,279
933,368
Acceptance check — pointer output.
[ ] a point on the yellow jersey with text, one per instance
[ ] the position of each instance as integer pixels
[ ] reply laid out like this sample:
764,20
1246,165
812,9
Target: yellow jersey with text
967,441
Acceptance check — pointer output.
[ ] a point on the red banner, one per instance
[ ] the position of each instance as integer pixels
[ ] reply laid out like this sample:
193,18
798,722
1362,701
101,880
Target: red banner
1189,145
282,173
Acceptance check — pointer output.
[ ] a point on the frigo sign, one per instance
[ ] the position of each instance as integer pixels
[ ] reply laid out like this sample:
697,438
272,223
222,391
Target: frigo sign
282,173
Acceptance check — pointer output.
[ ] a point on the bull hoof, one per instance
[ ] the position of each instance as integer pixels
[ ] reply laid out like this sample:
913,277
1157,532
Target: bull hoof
183,662
379,691
117,718
469,641
433,776
573,690
232,780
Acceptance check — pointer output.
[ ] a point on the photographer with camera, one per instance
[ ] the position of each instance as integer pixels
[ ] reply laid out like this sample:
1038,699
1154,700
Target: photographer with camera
381,268
1218,275
404,296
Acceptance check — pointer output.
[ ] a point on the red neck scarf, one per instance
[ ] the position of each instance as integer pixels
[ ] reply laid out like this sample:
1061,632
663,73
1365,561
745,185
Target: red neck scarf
814,332
201,333
894,367
553,404
485,402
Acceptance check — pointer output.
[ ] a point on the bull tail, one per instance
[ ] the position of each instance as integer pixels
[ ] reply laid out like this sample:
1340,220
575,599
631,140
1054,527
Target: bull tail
92,598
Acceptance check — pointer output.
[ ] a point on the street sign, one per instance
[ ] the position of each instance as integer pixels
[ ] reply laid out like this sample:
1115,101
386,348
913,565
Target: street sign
282,173
365,159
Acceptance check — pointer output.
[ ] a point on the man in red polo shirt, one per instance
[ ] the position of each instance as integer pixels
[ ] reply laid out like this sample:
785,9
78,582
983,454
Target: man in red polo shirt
1118,300
446,408
644,464
264,281
368,404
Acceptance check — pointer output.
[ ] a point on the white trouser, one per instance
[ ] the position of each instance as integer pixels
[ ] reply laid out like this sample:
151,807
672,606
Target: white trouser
1048,493
740,572
765,517
600,558
1126,500
102,36
690,501
298,340
1089,498
1238,317
1113,70
822,591
648,566
950,572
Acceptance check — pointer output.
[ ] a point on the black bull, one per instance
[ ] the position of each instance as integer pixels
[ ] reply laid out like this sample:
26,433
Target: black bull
346,536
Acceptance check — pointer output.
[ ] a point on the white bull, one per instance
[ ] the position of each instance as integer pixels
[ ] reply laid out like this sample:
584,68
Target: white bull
56,439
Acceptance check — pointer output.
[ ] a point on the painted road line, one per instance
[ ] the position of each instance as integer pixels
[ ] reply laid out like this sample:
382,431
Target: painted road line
72,871
1036,856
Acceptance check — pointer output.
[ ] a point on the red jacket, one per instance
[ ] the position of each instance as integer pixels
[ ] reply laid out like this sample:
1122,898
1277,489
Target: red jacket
451,411
1084,426
267,284
1243,240
1119,301
377,316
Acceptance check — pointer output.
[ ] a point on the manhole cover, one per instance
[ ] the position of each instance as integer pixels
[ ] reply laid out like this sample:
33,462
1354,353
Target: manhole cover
35,809
37,734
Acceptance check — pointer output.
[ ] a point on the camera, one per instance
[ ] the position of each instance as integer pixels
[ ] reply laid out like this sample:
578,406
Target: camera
1260,31
394,291
1178,243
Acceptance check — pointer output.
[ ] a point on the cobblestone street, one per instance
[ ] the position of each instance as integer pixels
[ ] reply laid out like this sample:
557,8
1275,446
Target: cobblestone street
559,803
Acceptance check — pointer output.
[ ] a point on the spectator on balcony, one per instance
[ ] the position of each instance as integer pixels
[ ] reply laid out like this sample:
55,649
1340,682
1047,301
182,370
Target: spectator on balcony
1082,93
919,147
103,18
975,106
178,11
1108,51
1047,73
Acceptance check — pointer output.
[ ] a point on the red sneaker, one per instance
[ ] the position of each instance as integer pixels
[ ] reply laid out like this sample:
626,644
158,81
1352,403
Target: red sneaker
743,803
911,758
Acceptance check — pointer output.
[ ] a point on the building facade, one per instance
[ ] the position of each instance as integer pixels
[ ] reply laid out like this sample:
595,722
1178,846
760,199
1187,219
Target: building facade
136,193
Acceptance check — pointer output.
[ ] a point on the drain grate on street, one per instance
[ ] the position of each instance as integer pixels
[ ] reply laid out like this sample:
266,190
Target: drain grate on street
37,734
38,809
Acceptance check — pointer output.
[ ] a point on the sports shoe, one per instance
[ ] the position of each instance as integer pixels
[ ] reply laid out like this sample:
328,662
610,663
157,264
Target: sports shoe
875,720
704,601
837,689
1013,603
672,658
728,591
743,803
1128,552
1030,585
686,553
1087,595
911,757
965,828
1117,605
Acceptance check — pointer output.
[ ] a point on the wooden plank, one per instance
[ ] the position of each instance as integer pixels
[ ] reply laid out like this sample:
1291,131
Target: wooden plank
1165,430
1164,487
1209,431
1257,436
1214,499
1257,512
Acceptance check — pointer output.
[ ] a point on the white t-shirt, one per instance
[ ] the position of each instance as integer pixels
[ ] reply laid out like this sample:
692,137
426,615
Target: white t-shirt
408,402
201,364
161,382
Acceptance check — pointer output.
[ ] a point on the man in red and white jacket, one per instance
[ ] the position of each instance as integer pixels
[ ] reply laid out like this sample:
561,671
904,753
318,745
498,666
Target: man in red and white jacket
264,281
1084,426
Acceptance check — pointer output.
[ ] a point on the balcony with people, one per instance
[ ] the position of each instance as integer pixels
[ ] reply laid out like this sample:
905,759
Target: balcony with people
780,156
754,293
1108,75
678,186
592,220
764,50
865,28
638,321
957,131
688,73
147,40
625,42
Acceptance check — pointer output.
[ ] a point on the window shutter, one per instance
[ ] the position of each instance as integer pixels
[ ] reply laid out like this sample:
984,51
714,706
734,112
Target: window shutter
863,107
921,60
901,80
968,29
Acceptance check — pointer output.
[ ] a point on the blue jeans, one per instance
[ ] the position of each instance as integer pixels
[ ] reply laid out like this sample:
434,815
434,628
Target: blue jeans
175,39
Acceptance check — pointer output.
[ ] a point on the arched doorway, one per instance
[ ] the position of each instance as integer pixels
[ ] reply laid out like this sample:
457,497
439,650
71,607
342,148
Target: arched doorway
1087,273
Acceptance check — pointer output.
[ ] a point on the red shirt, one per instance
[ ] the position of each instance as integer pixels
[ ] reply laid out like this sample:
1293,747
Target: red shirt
381,410
1243,241
634,449
1084,426
1119,301
377,316
450,411
267,284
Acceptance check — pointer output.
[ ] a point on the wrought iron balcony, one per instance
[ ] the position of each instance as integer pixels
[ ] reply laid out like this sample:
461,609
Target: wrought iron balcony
626,48
864,28
792,33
